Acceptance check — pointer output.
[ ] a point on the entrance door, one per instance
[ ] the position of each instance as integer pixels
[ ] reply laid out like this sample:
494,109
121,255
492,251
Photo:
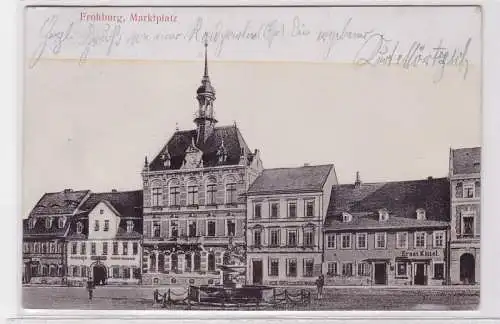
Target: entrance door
257,272
380,274
99,274
420,277
467,269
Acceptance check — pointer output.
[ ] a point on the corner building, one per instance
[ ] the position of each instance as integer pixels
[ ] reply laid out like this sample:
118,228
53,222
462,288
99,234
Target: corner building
286,209
389,233
194,208
465,182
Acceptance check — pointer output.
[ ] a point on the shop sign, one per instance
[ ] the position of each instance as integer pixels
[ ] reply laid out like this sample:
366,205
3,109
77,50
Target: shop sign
122,258
74,257
420,253
98,258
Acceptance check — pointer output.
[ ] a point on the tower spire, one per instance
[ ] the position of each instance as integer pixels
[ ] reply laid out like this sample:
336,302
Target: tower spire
205,75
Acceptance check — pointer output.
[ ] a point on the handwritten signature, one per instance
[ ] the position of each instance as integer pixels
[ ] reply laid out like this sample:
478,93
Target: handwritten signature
378,50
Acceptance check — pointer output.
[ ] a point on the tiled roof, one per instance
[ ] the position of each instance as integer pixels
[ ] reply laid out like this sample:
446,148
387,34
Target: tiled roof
127,203
285,180
136,232
401,199
176,147
41,231
58,203
466,160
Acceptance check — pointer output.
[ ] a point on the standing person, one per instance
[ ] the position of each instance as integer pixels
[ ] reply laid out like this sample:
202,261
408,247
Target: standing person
90,288
320,282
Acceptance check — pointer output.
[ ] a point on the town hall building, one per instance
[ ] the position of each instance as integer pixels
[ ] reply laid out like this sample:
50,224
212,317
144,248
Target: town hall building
194,208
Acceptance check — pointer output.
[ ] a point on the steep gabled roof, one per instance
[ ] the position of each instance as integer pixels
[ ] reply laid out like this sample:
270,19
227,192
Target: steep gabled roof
59,203
400,198
289,180
126,203
466,160
176,147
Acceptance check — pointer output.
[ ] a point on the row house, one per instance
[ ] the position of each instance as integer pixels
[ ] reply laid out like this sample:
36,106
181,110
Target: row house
286,209
194,211
465,189
388,233
44,236
104,241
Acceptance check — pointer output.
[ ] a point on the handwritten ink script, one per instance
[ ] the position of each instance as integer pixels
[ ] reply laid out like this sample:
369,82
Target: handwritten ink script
103,35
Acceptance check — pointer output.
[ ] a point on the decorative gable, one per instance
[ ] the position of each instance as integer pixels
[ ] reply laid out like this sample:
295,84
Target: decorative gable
193,158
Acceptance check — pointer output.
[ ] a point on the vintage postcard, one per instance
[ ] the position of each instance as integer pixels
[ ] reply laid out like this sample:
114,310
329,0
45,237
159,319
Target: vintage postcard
251,158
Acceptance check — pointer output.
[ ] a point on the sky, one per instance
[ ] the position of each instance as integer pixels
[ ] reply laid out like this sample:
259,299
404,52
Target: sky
90,126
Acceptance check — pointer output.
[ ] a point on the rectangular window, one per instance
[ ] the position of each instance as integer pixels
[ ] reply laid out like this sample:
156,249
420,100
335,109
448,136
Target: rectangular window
96,225
192,229
275,208
308,267
401,240
74,247
331,241
380,240
274,267
401,269
231,193
361,240
468,228
192,198
332,269
257,211
175,196
439,270
211,190
135,248
275,237
292,238
92,248
346,240
156,229
291,268
347,269
469,190
292,209
130,226
83,248
308,238
116,272
105,248
211,228
309,206
106,225
156,192
125,248
363,269
438,239
231,227
257,238
115,248
174,232
420,239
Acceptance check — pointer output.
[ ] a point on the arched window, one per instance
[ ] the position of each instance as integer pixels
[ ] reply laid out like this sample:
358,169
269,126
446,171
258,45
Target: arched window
48,222
230,187
79,227
174,193
192,193
211,191
156,194
197,261
211,262
152,262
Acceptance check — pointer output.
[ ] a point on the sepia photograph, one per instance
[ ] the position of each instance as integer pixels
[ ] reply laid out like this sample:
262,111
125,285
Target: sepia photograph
251,158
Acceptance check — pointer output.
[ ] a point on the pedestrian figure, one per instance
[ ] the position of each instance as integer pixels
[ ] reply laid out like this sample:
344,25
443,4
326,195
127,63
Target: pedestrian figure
90,288
320,282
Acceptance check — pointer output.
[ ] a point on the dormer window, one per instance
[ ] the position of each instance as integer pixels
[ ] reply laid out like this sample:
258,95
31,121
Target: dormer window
79,228
221,153
61,222
48,222
346,217
383,215
130,226
420,214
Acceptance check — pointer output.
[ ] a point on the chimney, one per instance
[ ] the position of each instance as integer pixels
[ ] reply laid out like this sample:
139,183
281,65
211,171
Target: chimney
114,190
429,178
306,164
68,190
357,183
